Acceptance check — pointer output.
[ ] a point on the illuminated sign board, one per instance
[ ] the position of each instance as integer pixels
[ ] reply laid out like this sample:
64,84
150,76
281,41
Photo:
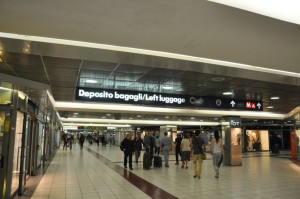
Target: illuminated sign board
163,99
91,128
235,123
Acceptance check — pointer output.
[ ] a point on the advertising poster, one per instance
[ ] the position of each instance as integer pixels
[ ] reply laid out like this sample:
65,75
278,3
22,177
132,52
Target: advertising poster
257,140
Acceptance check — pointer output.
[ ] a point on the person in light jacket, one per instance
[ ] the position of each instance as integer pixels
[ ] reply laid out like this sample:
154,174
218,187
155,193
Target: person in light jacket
216,149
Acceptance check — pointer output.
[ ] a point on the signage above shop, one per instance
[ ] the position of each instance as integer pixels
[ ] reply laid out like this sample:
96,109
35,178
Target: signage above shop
163,99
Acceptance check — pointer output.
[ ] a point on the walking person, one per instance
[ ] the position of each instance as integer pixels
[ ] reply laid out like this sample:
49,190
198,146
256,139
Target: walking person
81,140
166,147
151,146
127,146
147,142
177,148
185,149
157,145
138,142
66,140
216,149
198,148
71,141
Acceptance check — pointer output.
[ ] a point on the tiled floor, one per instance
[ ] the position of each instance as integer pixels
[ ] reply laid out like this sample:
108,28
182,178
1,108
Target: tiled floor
97,172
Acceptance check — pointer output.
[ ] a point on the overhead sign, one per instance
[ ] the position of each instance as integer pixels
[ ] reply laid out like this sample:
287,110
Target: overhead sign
163,99
99,128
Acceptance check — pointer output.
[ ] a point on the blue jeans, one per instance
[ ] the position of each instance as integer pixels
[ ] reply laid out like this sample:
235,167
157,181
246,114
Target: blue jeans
137,155
166,151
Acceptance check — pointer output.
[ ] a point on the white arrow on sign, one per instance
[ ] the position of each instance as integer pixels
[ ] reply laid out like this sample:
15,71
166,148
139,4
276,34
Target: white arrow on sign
232,103
258,105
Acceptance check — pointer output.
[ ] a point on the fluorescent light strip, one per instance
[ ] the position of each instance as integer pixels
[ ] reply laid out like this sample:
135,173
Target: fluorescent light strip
146,122
6,89
285,10
89,124
51,98
145,52
145,109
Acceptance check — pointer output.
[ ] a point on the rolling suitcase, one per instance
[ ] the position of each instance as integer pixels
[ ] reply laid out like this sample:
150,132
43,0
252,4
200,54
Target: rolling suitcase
157,161
146,161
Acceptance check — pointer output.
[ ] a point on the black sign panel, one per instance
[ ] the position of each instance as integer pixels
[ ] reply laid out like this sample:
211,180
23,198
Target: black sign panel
162,99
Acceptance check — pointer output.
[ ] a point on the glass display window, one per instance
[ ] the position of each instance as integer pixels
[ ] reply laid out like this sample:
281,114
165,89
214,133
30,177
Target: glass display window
257,140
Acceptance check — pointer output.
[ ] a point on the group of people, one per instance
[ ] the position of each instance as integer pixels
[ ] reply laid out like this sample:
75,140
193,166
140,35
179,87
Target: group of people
68,141
185,148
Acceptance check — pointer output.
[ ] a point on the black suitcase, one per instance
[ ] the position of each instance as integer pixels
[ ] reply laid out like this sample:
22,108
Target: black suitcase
157,161
146,161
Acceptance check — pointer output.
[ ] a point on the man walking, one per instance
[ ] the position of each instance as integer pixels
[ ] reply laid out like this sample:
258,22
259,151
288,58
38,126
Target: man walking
128,147
177,148
166,147
138,142
198,148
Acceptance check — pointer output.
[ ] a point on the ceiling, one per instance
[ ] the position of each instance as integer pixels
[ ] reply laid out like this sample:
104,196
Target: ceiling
63,73
198,48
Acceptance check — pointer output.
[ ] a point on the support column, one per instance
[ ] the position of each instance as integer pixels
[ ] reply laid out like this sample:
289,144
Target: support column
232,136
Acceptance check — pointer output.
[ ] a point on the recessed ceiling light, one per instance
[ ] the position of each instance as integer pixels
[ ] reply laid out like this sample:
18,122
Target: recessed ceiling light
138,116
75,113
216,118
227,93
274,98
166,117
218,79
270,106
91,81
168,87
192,118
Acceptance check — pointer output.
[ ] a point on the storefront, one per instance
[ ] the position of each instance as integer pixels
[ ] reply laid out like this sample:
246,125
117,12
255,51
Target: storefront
267,138
21,139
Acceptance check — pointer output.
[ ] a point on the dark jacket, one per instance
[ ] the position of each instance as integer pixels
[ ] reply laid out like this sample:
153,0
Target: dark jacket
127,145
178,143
138,144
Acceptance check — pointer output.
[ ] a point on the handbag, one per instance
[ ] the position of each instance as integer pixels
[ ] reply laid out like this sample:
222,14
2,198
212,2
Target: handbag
203,156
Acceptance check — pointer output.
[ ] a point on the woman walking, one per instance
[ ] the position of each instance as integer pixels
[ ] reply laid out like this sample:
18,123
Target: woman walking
185,149
216,149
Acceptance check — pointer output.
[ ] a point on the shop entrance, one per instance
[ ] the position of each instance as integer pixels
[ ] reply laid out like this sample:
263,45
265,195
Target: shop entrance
5,144
20,155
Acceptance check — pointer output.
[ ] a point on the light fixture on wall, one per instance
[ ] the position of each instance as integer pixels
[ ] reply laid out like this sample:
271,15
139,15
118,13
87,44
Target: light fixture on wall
167,87
227,93
91,81
274,98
